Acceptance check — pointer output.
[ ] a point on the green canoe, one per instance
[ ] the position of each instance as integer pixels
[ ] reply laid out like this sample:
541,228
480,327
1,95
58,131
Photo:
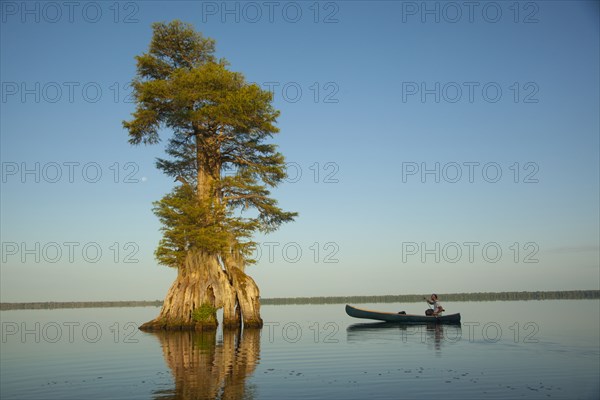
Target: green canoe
404,318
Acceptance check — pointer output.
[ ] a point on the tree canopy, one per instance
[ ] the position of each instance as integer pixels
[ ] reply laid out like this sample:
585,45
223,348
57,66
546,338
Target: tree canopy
218,150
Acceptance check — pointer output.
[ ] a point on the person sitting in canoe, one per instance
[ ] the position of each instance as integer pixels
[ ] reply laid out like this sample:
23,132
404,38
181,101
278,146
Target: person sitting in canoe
437,306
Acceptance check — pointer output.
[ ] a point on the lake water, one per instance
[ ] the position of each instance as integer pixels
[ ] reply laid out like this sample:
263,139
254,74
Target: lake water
535,350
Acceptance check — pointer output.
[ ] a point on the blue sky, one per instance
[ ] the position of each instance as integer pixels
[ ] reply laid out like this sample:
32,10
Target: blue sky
370,93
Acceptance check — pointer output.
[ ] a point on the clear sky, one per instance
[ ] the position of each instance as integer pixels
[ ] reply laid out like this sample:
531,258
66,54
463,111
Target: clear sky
432,146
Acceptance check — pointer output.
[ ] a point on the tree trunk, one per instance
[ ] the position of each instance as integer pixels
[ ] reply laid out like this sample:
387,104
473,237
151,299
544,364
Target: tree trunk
201,284
248,297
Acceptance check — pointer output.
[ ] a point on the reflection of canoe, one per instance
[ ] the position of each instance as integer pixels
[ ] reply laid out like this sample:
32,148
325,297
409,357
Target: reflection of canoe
382,326
404,318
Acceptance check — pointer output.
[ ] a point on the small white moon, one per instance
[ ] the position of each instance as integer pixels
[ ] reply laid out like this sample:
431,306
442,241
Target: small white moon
144,179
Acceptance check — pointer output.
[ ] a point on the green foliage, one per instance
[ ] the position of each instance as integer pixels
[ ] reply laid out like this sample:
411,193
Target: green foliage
188,223
204,313
218,150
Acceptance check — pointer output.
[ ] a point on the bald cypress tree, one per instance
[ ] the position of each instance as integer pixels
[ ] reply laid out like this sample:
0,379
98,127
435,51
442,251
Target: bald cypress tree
218,128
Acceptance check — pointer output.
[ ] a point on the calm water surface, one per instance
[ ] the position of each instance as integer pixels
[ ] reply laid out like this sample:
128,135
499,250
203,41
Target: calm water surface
534,350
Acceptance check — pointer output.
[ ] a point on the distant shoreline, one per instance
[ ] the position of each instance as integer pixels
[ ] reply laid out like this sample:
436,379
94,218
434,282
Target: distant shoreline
410,298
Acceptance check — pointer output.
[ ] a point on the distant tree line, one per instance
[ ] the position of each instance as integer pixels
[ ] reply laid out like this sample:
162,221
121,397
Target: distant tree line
77,304
415,298
405,298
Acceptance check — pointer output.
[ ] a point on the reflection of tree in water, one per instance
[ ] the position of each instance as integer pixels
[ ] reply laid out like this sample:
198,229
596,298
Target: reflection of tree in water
205,369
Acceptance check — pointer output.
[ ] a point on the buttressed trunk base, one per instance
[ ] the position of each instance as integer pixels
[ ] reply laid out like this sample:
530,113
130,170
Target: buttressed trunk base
200,289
